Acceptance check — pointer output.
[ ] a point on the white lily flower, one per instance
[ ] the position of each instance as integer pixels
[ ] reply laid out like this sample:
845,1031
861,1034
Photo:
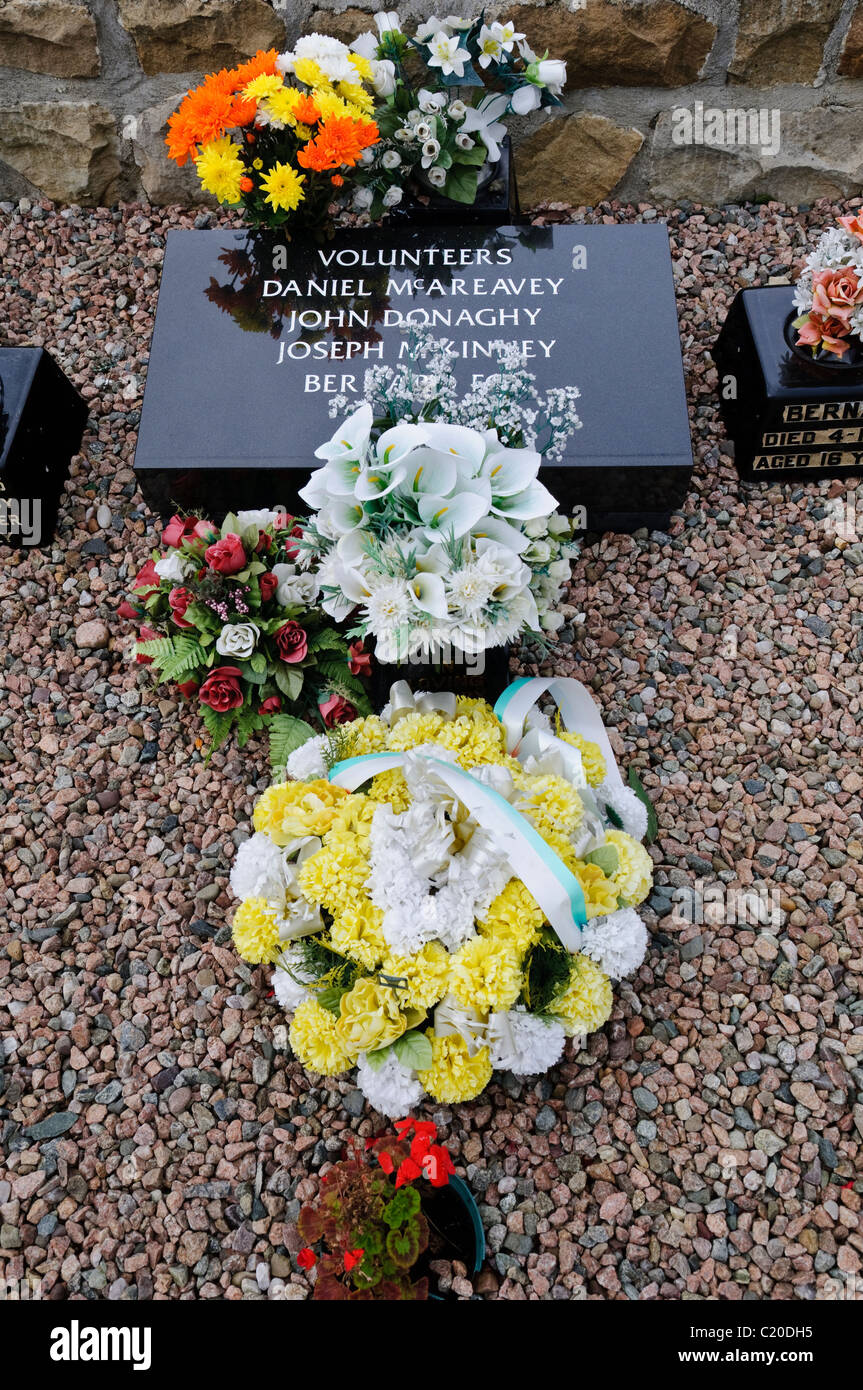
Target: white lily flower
429,594
366,45
446,53
430,470
494,528
388,22
351,439
490,48
532,501
506,35
445,516
484,119
429,28
377,481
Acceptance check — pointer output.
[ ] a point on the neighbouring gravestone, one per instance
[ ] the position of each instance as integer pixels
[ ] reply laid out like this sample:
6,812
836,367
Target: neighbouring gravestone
787,413
253,338
42,420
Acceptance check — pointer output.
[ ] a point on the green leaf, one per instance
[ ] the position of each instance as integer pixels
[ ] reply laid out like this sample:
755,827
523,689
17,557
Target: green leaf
376,1059
258,662
203,617
330,999
218,725
328,640
652,823
286,734
413,1049
290,682
606,857
338,674
248,723
475,156
230,526
161,649
461,184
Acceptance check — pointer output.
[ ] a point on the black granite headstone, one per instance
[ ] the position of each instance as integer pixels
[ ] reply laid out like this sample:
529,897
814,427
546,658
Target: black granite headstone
42,420
253,337
788,414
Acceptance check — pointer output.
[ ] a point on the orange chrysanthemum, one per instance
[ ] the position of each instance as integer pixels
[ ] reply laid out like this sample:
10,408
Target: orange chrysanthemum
206,112
340,140
305,109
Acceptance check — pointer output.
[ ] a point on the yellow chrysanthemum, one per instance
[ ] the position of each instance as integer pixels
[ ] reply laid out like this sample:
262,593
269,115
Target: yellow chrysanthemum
264,85
281,105
426,973
550,802
336,876
361,66
486,974
284,187
591,757
316,1042
366,735
634,876
391,788
330,104
600,893
479,710
586,1003
255,931
356,932
357,96
306,70
355,816
454,1075
414,729
561,845
371,1016
514,918
220,169
293,809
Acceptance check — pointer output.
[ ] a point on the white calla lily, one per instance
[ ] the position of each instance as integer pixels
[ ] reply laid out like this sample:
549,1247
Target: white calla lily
457,440
451,516
378,481
533,501
433,560
494,528
428,470
396,443
351,439
429,594
510,470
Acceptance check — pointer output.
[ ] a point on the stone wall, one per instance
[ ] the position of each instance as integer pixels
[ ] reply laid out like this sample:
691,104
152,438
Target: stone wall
711,100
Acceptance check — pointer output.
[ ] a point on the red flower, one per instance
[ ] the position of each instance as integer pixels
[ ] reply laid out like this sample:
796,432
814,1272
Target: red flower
221,690
226,556
408,1171
307,1258
206,531
283,521
146,634
187,688
126,610
336,710
271,705
269,584
264,542
386,1162
179,598
352,1257
291,641
438,1165
147,580
359,660
177,529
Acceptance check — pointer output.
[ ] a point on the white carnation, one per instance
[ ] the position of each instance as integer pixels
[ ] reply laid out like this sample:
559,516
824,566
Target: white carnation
618,942
628,807
259,870
524,1043
392,1089
307,762
290,980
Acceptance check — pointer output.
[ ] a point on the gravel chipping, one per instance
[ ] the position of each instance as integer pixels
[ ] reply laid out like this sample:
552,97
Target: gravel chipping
156,1138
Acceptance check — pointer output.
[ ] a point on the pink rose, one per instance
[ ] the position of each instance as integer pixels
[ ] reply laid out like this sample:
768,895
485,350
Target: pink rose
226,556
179,600
336,710
177,529
271,705
222,690
291,641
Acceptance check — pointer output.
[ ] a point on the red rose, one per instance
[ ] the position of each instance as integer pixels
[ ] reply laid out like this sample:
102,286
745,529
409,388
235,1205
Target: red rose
147,579
187,688
146,635
359,660
206,531
283,521
177,529
269,584
336,710
264,542
179,599
227,556
292,551
126,610
271,705
221,690
292,644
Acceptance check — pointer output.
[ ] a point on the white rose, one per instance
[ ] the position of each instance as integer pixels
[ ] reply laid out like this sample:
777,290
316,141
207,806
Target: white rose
294,589
437,176
431,150
423,131
457,110
552,74
552,621
464,142
384,77
261,518
173,567
238,639
363,198
560,571
391,160
392,197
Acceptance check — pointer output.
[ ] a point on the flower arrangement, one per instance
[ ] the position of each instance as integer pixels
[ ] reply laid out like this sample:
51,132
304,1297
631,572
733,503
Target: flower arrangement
230,618
829,292
429,524
443,892
369,1217
444,93
281,135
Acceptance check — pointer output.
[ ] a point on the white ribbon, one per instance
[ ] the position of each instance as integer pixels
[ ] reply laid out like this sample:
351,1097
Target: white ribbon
451,1017
578,711
403,701
555,888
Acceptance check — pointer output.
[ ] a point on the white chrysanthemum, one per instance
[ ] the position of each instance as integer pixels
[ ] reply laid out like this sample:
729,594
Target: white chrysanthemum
392,1089
259,871
307,762
524,1043
617,943
470,590
630,809
290,980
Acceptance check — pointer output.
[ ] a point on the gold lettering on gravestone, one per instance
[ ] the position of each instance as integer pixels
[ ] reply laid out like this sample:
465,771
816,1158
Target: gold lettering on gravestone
834,458
803,412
